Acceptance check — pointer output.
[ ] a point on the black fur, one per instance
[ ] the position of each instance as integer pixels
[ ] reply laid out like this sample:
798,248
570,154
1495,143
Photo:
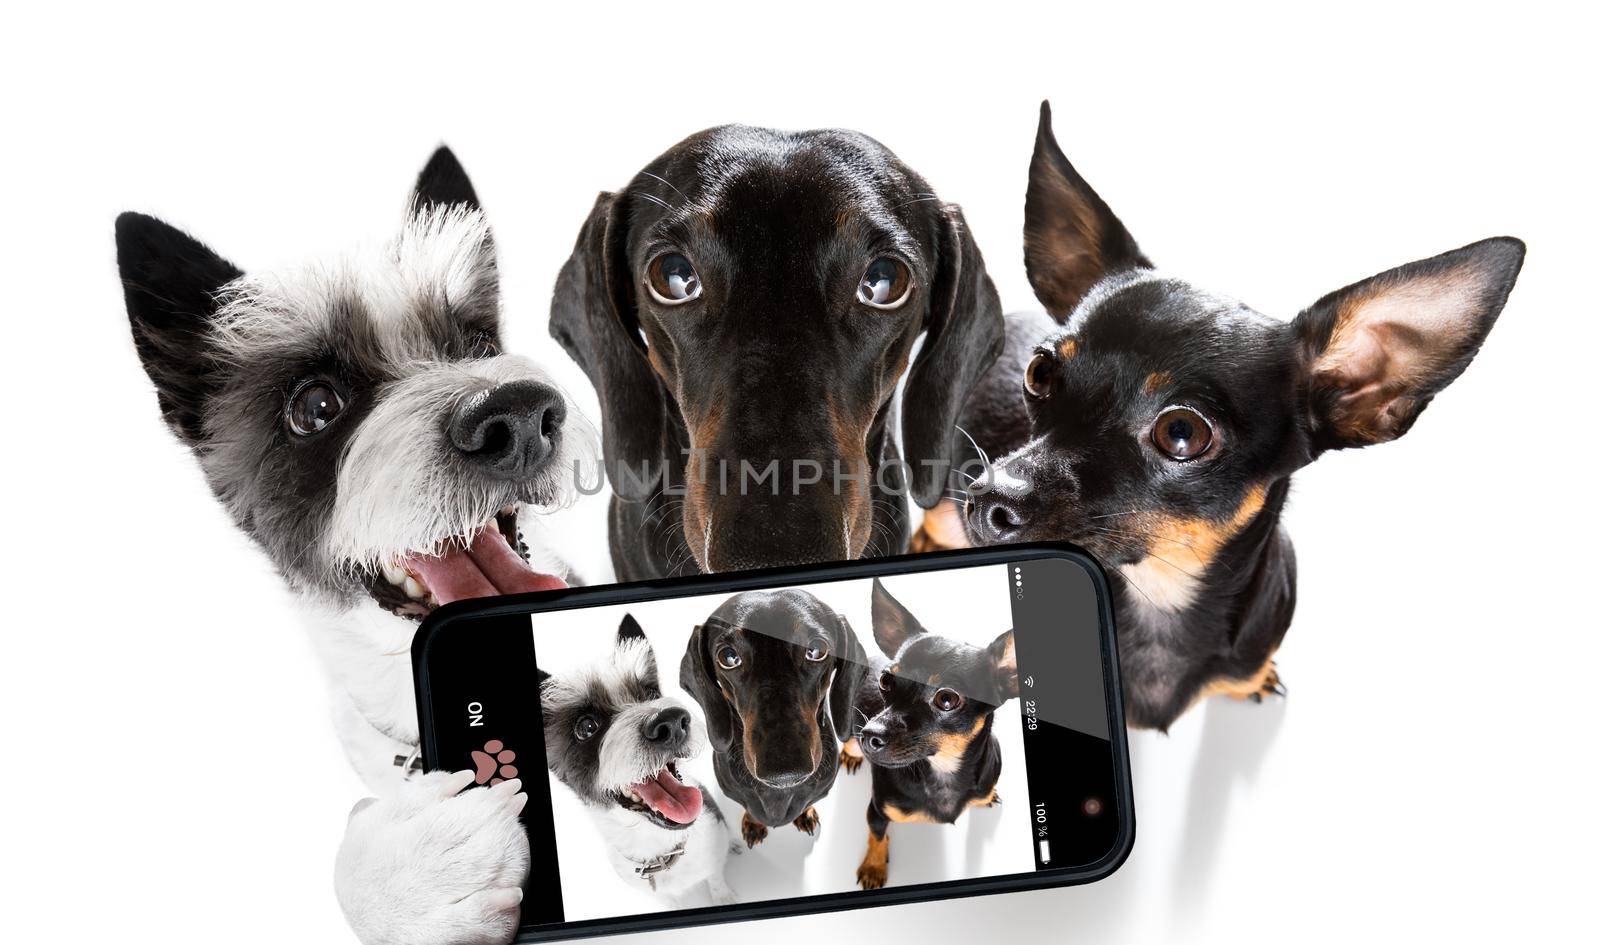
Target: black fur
904,729
774,719
1084,465
776,360
170,282
443,181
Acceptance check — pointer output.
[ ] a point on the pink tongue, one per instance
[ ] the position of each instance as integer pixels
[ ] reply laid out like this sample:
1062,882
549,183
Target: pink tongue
487,567
669,797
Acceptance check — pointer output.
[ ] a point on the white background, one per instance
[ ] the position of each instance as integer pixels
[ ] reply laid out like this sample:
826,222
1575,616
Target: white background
973,605
170,764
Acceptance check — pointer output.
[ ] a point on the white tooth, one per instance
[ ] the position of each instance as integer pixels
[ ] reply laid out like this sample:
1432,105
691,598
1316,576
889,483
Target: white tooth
414,590
394,573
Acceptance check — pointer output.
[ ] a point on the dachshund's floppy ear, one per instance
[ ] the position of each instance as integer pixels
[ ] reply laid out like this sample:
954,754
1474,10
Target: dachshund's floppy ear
1375,353
849,668
592,315
1070,238
965,333
892,623
696,676
170,282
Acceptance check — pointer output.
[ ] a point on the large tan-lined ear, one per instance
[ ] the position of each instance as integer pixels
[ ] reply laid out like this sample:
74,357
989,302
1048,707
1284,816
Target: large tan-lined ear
592,316
1002,656
892,623
1070,238
1378,351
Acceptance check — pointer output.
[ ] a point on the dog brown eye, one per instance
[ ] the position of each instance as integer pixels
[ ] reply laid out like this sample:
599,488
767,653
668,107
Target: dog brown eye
1182,433
1038,376
672,279
885,682
586,728
946,700
313,406
728,657
885,284
817,650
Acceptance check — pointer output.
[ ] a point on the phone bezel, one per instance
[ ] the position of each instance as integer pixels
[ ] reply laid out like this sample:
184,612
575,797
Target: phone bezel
573,597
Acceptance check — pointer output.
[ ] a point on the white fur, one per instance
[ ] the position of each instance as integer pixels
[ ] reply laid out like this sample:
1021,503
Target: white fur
367,653
433,864
1160,587
441,258
425,862
397,494
621,752
631,840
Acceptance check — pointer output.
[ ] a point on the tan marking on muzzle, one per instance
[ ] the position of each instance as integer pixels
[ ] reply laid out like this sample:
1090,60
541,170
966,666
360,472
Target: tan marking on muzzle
1187,546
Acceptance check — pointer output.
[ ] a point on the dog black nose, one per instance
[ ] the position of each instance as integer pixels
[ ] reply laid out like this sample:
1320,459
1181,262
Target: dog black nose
511,431
668,726
1001,517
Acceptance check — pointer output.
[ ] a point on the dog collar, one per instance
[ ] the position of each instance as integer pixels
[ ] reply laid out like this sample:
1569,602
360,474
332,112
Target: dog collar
410,765
648,869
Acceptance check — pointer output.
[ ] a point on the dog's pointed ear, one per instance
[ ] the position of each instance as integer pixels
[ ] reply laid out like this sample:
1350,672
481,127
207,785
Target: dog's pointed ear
444,182
445,212
170,283
965,333
1375,353
892,623
849,668
629,631
544,677
1070,238
592,316
1002,654
698,679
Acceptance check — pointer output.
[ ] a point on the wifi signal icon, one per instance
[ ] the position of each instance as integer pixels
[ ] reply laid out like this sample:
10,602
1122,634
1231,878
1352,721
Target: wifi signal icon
1028,682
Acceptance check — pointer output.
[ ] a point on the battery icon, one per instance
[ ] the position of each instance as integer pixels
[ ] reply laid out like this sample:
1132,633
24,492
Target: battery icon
1044,852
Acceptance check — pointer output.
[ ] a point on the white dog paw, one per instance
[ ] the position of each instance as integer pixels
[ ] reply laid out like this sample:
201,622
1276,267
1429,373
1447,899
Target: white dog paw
435,864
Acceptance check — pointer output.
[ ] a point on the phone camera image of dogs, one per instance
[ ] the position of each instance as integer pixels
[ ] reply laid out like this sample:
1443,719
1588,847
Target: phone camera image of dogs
612,738
746,307
1158,425
776,673
928,734
357,419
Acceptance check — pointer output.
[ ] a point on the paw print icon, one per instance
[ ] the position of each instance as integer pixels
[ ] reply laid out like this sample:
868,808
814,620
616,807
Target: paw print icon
492,763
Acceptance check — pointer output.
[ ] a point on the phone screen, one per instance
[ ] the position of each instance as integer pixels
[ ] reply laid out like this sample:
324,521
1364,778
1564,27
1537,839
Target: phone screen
819,742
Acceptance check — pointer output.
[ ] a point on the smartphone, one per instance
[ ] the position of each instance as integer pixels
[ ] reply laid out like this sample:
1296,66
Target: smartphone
726,747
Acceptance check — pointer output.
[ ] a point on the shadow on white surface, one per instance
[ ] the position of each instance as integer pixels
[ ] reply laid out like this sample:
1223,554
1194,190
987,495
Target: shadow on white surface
1233,743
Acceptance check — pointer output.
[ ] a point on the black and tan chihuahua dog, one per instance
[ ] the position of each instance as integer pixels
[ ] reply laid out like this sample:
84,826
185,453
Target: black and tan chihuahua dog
1157,425
929,730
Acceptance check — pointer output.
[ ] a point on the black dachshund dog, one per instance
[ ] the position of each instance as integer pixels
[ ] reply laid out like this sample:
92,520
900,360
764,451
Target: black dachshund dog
776,673
746,308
